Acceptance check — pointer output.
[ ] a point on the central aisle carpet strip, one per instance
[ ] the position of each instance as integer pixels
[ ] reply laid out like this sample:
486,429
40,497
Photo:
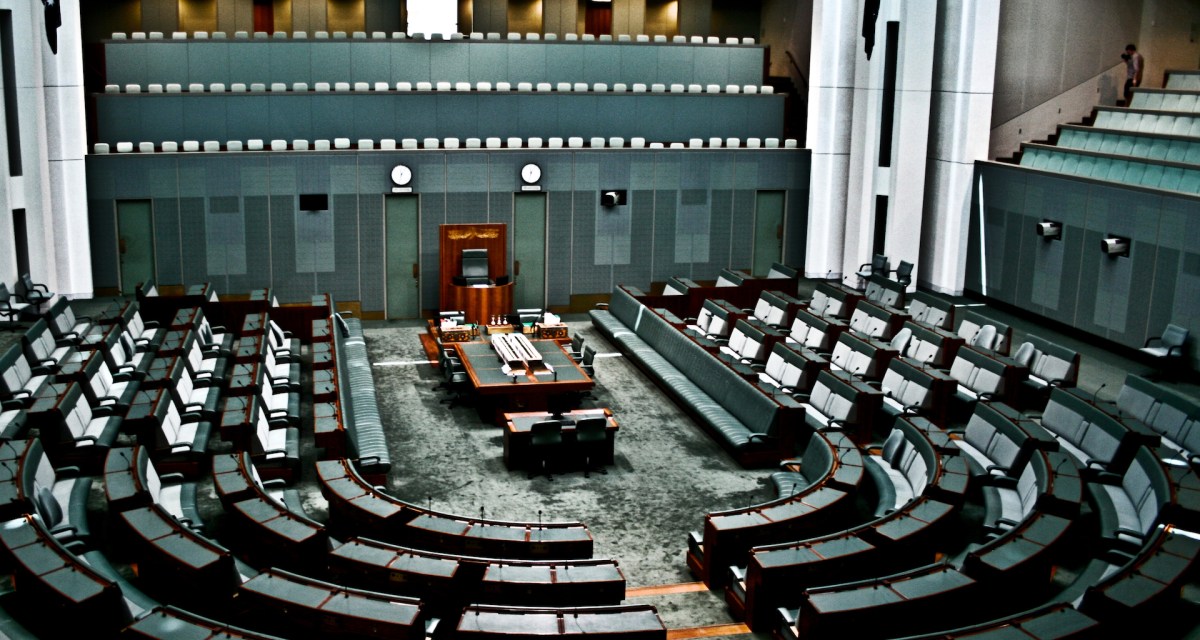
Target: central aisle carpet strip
665,589
708,632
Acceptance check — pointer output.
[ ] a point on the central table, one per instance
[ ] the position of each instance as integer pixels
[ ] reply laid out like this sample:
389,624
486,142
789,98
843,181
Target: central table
526,391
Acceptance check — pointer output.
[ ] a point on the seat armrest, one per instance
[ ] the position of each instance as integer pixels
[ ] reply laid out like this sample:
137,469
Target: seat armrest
369,460
1122,531
1150,340
600,305
271,484
987,397
759,437
838,422
794,462
68,472
171,477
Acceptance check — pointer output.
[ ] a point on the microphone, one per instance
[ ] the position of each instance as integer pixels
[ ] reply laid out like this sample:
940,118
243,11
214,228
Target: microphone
1096,396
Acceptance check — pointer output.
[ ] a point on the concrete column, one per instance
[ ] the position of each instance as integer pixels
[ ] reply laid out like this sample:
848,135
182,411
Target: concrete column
964,76
561,16
831,102
628,17
903,182
491,16
695,17
236,15
381,15
64,261
158,16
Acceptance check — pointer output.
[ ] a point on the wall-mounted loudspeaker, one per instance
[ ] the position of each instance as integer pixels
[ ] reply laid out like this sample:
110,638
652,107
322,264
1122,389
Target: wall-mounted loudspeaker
1115,246
1049,229
612,198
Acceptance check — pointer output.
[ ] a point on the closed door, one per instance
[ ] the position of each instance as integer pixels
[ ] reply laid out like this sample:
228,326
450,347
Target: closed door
768,230
402,231
529,250
135,242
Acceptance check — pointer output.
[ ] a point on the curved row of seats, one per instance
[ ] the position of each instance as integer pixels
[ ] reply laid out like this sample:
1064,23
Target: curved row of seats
1028,495
400,35
814,495
1171,176
1183,79
460,87
409,144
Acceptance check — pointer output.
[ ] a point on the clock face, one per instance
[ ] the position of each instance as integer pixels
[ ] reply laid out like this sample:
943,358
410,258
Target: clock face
401,175
531,173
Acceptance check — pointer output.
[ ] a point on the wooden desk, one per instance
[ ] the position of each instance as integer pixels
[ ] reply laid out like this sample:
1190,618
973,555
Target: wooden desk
480,303
526,391
517,434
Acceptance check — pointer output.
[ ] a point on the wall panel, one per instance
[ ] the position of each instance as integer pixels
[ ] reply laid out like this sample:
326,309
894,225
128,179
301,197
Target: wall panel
590,248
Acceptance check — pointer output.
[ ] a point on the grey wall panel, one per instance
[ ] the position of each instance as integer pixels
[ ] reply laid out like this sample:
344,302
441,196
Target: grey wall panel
333,116
638,240
291,61
102,227
601,64
121,118
638,64
638,217
433,214
166,60
286,283
587,276
411,63
741,229
665,203
536,115
207,63
450,62
126,63
160,119
291,117
329,62
577,114
375,119
343,282
524,64
745,65
675,65
564,63
483,63
257,211
416,117
458,116
371,62
203,119
193,252
560,247
168,256
795,244
371,250
500,211
248,119
309,115
251,62
711,65
1121,299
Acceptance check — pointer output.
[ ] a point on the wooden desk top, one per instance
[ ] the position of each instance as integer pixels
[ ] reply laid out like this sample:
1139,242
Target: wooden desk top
523,422
488,377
